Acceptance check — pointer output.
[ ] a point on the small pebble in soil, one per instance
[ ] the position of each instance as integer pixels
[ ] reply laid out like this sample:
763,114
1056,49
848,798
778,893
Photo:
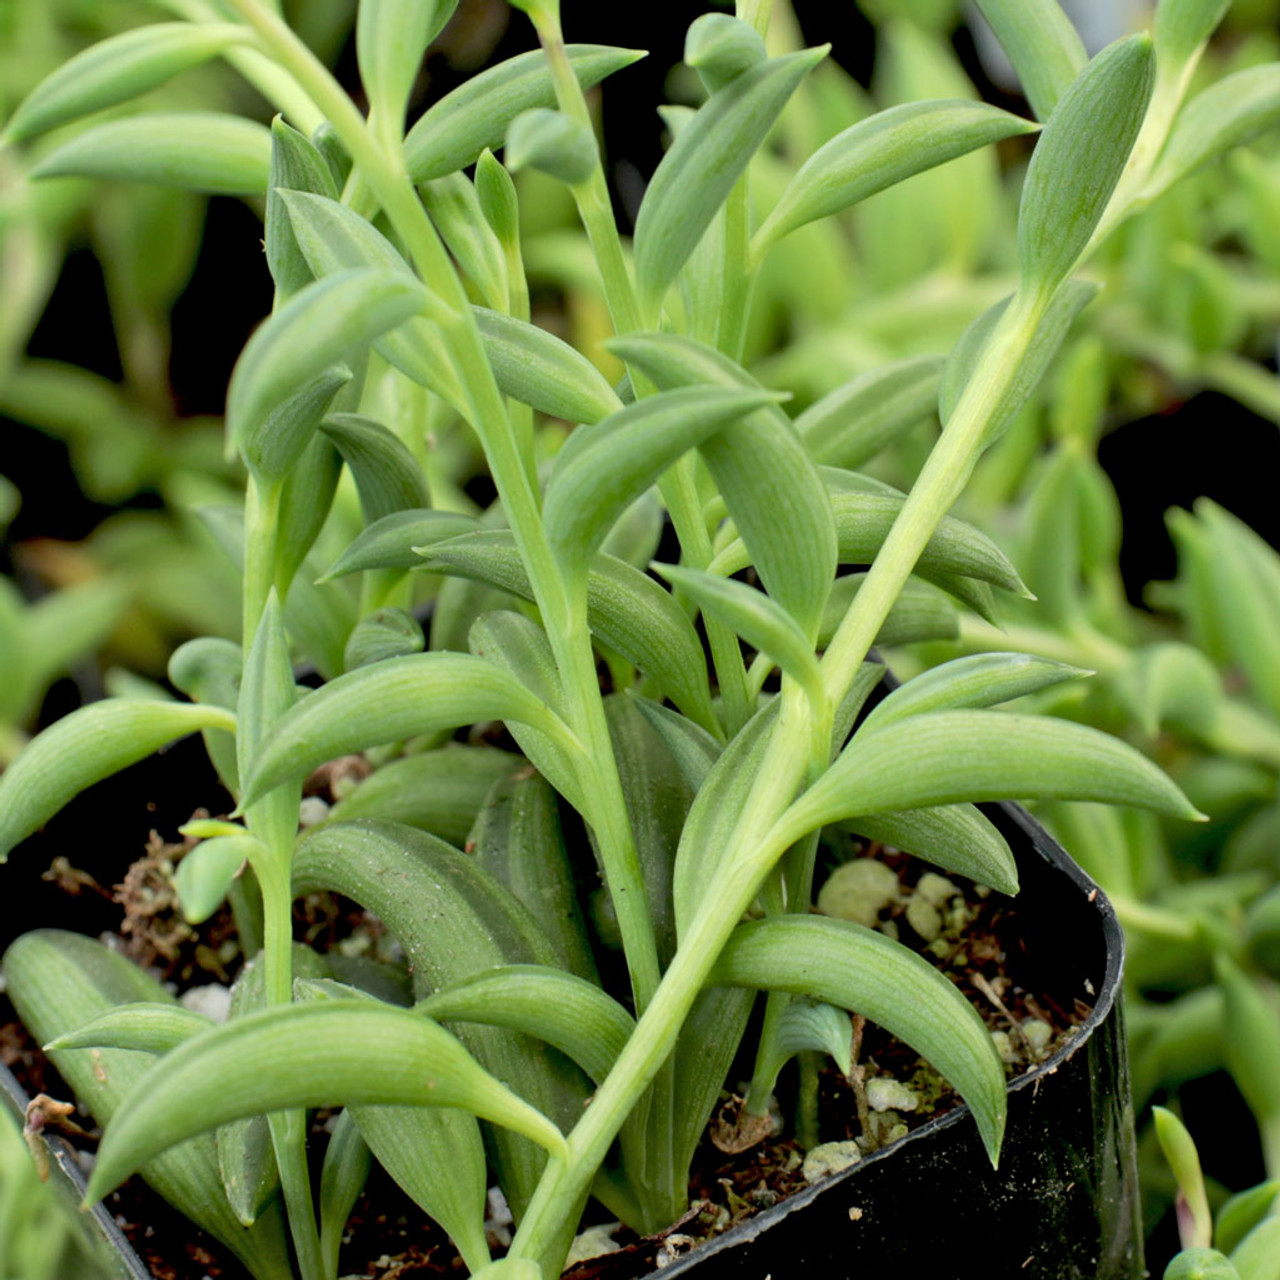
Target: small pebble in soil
859,891
935,888
924,918
311,811
884,1093
1004,1047
828,1158
213,1001
594,1242
1038,1035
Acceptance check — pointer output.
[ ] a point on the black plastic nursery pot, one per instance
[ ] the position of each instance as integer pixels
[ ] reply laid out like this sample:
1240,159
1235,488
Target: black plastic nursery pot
1062,1204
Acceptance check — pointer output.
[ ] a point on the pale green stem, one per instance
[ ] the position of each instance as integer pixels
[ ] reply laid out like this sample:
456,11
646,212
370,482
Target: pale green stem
1141,918
563,616
939,484
738,883
739,272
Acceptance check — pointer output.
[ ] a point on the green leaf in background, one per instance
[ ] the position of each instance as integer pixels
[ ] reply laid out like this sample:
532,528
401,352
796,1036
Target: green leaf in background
1183,27
945,757
1242,1213
276,450
572,1014
388,632
808,1025
1180,1151
1200,1264
865,415
983,680
118,69
303,1056
328,321
1257,1256
720,48
391,39
862,970
696,175
1079,159
389,543
196,151
613,462
387,475
539,369
552,143
1216,121
86,746
453,132
1041,43
881,151
347,1162
1251,1028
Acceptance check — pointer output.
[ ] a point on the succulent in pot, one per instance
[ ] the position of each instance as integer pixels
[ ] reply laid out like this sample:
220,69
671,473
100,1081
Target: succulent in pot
705,778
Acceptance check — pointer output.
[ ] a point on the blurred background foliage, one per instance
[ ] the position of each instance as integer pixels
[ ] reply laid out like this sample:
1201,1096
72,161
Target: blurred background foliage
1135,492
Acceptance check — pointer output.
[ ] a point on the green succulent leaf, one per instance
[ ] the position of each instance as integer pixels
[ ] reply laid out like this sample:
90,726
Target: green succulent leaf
388,632
391,39
397,699
204,875
347,1162
390,542
616,460
144,1026
296,165
572,1014
387,475
946,757
553,143
720,48
774,493
118,69
454,207
880,152
983,680
1180,1151
539,369
760,621
809,1026
1079,159
1244,1211
955,837
1252,1035
195,151
304,1056
60,981
86,746
862,970
1216,121
698,172
853,423
1183,28
1041,43
1255,1257
329,321
453,132
1201,1264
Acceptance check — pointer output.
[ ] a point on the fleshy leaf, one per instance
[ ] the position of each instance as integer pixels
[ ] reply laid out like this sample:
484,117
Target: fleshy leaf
389,543
880,152
396,699
304,1056
453,132
196,151
1079,159
576,1016
86,746
145,1026
1041,43
118,69
391,39
204,875
387,476
697,173
862,970
454,207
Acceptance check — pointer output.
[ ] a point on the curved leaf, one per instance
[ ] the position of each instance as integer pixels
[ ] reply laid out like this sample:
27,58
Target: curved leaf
117,69
454,207
296,165
387,475
196,151
627,609
389,543
397,699
539,369
576,1016
1079,159
328,321
1043,46
145,1026
304,1056
860,969
881,151
698,172
86,746
948,757
982,680
453,132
